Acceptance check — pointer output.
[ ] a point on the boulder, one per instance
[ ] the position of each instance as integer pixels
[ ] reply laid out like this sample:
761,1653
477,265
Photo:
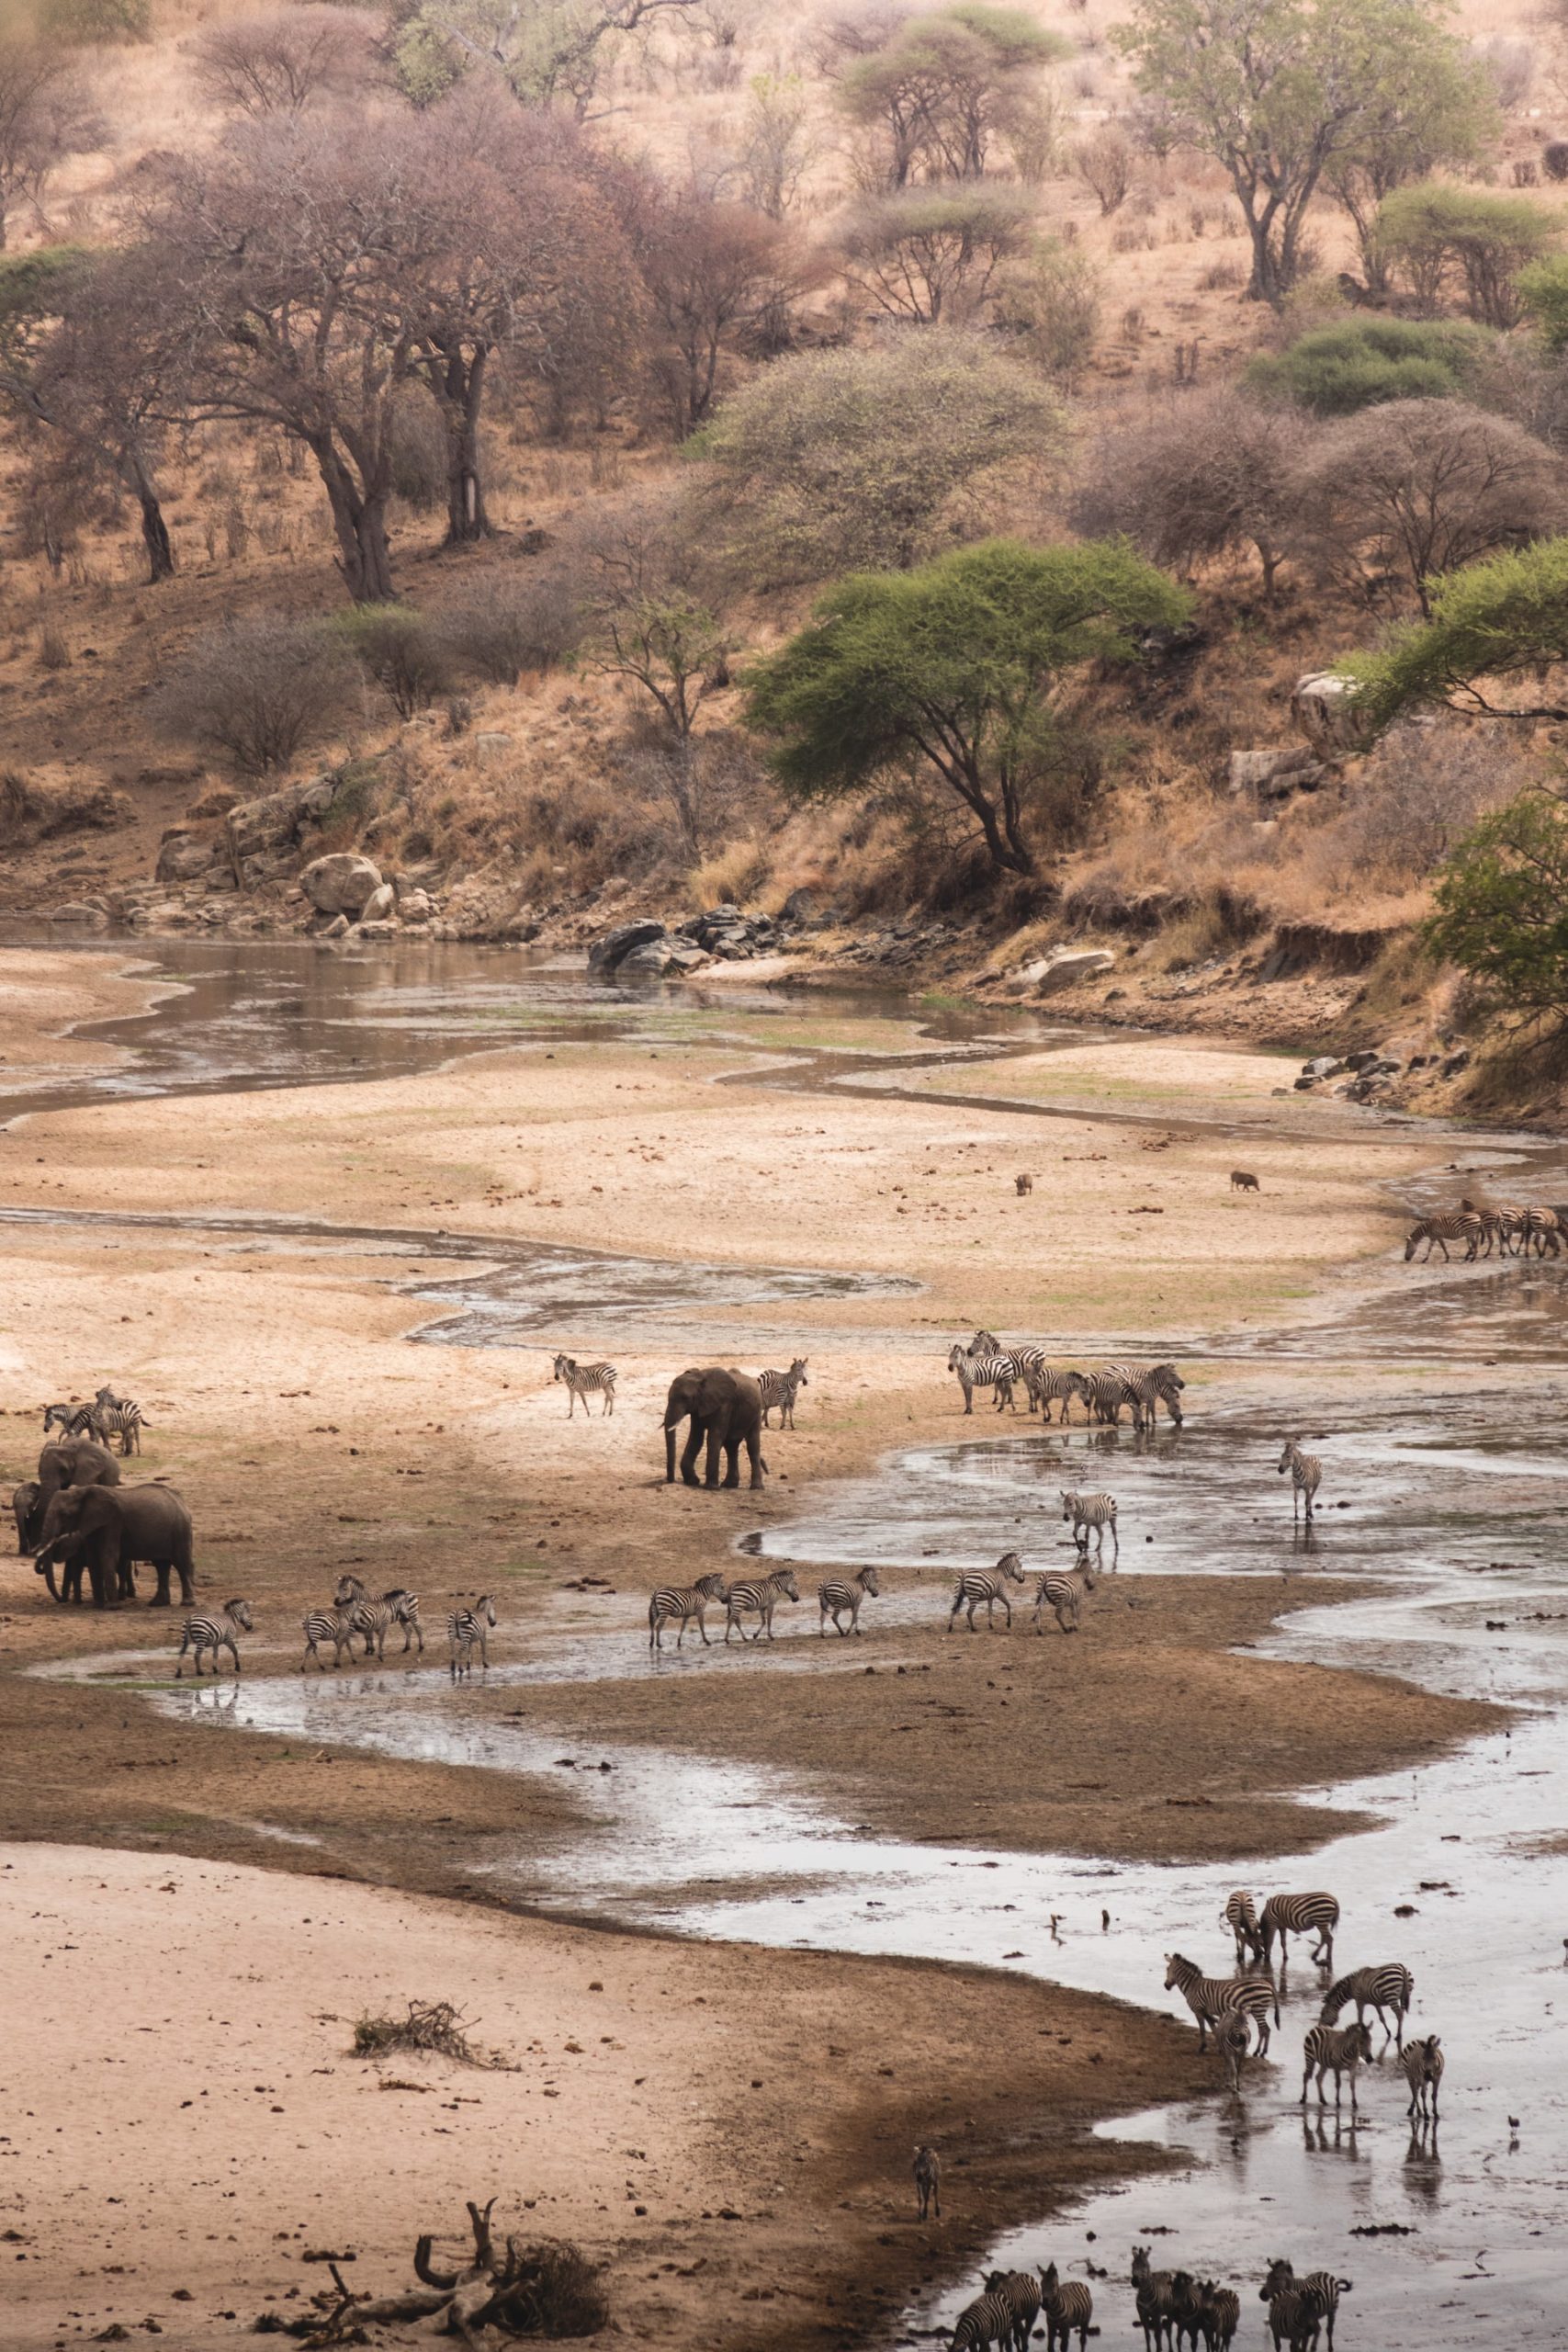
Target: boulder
1322,1066
490,743
800,907
606,952
1453,1063
1067,965
182,854
1274,775
85,912
335,929
414,905
650,962
377,907
340,883
1323,710
255,827
382,927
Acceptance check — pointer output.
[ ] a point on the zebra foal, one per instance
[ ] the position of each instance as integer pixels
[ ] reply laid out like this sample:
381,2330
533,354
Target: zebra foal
1215,1998
839,1595
1092,1512
1338,2050
1306,1476
586,1380
759,1597
1388,1985
987,1584
688,1603
1067,2307
326,1625
1064,1591
1299,1915
214,1634
781,1388
1422,2063
464,1628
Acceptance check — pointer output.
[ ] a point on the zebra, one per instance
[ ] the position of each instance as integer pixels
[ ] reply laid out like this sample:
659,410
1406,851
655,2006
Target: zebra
374,1620
988,2319
76,1421
584,1380
1046,1382
1222,2307
1293,2321
995,1371
928,2180
1306,1473
685,1601
1299,1915
124,1419
1423,2063
1065,1592
467,1626
987,1584
1107,1395
1387,1986
401,1605
215,1634
1155,2290
1542,1232
327,1625
1211,1998
1095,1512
1066,2306
762,1595
839,1593
1233,2042
1240,1917
780,1388
1443,1227
1144,1385
983,1343
1019,2290
1320,2292
1336,2049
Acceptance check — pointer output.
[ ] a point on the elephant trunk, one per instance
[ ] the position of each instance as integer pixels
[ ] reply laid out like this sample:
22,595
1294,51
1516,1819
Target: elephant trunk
44,1567
669,1453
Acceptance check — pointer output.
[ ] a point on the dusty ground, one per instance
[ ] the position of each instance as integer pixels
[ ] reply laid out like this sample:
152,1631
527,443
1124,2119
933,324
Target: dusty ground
308,1437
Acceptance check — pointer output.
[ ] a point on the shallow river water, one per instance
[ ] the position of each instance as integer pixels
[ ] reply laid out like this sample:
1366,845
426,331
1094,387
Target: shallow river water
1450,1504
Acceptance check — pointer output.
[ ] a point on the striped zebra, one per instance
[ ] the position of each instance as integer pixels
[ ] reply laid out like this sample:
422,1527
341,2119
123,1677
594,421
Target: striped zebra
1156,2295
464,1628
1233,2039
1146,1385
1222,2306
986,2321
1065,1590
1306,1473
1542,1233
1066,2306
1211,1998
1294,2322
840,1593
997,1372
780,1388
759,1596
1337,2051
215,1634
1299,1915
1044,1381
586,1380
688,1602
1240,1917
402,1607
327,1625
1320,2290
1443,1227
1388,1986
987,1584
1423,2063
1107,1393
1095,1512
983,1343
1502,1229
928,2180
1019,2290
76,1421
123,1418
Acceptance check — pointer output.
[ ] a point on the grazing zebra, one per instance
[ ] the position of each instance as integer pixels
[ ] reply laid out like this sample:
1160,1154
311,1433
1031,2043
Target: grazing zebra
76,1421
997,1371
1095,1512
1155,2294
1066,2306
928,2180
327,1625
1542,1233
668,1602
401,1605
1337,2051
1388,1985
1423,2065
1144,1385
1299,1915
584,1380
1019,2290
1306,1473
1445,1225
839,1593
762,1596
464,1628
121,1416
215,1634
1211,1999
1240,1917
1320,2292
988,2319
1064,1591
780,1388
1243,1181
1223,2310
987,1584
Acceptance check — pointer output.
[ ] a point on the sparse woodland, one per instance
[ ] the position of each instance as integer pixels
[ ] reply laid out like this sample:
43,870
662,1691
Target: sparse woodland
680,451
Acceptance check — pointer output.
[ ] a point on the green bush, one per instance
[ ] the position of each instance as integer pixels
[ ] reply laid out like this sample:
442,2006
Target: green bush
1435,232
1503,904
400,649
1338,369
1492,619
1543,290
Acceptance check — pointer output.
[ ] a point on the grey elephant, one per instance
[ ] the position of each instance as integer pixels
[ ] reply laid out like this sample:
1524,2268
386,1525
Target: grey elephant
73,1462
726,1410
107,1531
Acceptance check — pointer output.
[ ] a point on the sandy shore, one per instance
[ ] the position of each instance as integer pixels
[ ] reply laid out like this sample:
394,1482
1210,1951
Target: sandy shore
44,992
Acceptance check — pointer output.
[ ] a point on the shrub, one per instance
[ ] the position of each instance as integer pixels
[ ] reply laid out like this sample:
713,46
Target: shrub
1543,290
253,691
1434,231
1048,307
1335,370
1104,163
1503,904
400,649
504,623
93,21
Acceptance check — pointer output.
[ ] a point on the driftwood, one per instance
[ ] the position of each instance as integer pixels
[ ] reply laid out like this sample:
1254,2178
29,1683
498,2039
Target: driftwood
549,2290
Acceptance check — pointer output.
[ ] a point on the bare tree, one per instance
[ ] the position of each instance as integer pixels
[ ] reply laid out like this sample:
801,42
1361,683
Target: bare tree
253,691
546,51
277,61
46,114
778,146
714,274
1195,477
1104,163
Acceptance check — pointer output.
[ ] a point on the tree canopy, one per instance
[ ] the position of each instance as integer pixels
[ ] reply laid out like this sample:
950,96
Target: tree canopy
1360,363
1435,232
1501,904
954,674
1497,619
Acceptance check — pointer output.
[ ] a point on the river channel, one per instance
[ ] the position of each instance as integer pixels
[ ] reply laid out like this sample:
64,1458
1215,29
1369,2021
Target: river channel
1437,1408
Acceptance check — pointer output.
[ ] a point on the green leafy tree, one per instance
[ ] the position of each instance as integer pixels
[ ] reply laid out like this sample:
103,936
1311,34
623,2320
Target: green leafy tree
547,50
955,673
1501,904
1362,363
1282,93
1496,619
1435,232
1542,288
943,88
1436,105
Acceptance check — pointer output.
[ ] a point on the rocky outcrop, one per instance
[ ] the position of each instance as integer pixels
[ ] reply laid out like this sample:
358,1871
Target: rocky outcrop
1323,710
183,855
1063,968
264,827
342,882
609,952
1275,775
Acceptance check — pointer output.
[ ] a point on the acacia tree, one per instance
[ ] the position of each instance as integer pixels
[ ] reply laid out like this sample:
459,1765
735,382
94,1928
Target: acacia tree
1278,91
46,114
1505,618
1435,107
1434,231
546,51
278,61
1205,473
955,672
940,90
933,252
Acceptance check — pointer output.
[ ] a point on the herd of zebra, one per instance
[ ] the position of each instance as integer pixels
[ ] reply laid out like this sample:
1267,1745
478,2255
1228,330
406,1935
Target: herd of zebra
355,1610
986,1363
1513,1230
108,1417
1174,2309
779,1390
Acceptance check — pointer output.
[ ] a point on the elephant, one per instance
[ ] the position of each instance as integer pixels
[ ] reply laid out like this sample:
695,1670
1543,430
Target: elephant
73,1462
726,1408
106,1532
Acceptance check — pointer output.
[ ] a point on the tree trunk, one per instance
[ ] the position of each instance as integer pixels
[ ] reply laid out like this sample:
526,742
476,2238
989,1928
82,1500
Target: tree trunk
359,518
155,537
462,398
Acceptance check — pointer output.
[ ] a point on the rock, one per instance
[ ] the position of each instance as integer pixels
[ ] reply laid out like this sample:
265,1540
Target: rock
216,803
606,952
491,743
83,911
413,905
1452,1064
335,929
378,906
255,827
1306,1085
340,883
1274,775
182,854
1067,965
1321,1065
376,928
1323,710
650,962
800,907
1359,1062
